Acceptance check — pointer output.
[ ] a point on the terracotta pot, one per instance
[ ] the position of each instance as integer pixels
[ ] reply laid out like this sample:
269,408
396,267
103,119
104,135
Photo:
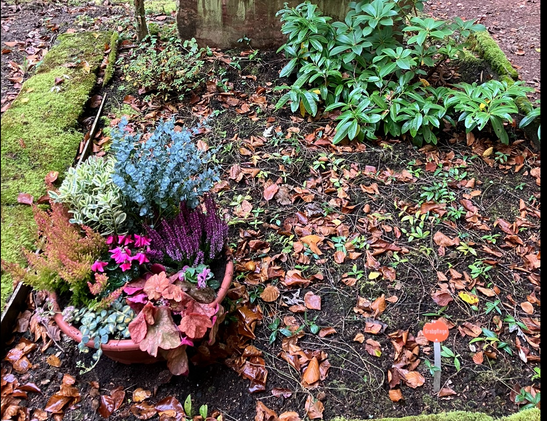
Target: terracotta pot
125,350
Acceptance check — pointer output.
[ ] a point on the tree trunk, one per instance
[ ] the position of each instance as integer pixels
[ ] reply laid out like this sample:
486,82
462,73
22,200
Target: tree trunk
142,28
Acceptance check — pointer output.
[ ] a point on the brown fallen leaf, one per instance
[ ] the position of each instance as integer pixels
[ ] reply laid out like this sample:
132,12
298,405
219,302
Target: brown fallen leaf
53,360
141,394
311,241
442,240
270,191
311,373
289,416
263,413
395,395
414,379
326,331
527,307
314,408
478,357
446,391
270,294
359,338
312,301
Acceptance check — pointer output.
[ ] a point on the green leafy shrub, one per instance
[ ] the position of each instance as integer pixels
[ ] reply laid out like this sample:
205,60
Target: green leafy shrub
92,198
374,67
491,102
166,68
157,175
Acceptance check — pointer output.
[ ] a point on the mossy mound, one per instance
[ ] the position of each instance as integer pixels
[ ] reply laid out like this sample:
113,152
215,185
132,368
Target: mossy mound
533,414
40,133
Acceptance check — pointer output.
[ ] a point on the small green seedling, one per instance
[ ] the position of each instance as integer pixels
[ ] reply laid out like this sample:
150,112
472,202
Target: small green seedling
448,353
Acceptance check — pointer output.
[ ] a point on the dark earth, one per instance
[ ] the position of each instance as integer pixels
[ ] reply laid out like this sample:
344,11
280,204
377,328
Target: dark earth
356,385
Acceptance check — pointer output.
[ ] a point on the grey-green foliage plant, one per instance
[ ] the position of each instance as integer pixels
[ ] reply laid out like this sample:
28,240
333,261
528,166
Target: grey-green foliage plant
374,66
166,66
99,325
92,198
156,175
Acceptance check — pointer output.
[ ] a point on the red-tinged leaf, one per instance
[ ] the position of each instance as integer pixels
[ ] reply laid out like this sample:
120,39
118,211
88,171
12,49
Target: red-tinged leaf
138,327
469,206
270,191
195,325
25,199
395,395
162,334
143,410
177,361
446,391
59,80
312,301
478,357
470,329
314,408
339,257
263,413
51,177
327,331
442,298
170,407
311,373
286,393
156,285
289,416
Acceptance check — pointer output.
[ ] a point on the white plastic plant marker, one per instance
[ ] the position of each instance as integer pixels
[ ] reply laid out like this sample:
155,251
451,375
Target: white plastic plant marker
436,332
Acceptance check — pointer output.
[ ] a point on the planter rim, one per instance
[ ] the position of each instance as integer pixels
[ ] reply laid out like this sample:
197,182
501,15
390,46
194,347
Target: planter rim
128,344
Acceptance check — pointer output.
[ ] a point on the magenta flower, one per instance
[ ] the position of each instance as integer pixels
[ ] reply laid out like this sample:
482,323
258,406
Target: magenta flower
110,239
202,278
141,240
124,240
98,266
125,266
140,257
120,255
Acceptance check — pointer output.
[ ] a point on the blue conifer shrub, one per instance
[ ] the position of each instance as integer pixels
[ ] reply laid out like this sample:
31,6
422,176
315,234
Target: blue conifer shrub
158,174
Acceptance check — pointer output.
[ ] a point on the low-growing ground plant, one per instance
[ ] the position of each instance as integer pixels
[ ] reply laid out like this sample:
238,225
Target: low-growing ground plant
374,68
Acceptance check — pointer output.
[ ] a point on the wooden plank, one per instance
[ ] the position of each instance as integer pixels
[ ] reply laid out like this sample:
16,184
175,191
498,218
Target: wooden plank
15,305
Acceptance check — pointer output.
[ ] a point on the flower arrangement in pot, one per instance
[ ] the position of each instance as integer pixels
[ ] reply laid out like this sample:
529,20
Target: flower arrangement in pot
138,246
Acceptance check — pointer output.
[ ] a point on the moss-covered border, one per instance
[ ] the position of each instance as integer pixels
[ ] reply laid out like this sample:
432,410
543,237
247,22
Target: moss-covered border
110,66
40,134
533,414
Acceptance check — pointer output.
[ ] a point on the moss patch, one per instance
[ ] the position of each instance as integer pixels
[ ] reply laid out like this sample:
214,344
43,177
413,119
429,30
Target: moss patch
109,71
485,45
40,132
527,415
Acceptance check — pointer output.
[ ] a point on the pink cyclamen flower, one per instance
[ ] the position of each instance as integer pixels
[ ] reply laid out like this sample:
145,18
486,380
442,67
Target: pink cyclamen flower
125,266
110,239
202,278
124,240
98,266
120,255
141,240
140,257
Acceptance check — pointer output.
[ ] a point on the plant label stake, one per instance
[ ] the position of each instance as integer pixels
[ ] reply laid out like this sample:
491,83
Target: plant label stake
436,332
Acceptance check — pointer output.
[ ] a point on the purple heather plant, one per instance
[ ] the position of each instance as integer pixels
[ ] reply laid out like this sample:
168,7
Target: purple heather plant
190,238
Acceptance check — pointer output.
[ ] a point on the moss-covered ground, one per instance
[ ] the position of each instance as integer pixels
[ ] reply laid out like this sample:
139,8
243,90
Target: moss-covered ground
533,414
40,133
